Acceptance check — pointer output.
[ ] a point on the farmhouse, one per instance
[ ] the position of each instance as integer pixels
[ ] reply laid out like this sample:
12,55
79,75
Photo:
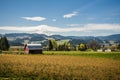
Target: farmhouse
108,50
33,48
99,50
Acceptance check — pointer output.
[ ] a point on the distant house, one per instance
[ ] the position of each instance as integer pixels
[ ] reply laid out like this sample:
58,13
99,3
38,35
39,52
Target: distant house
33,48
99,50
108,50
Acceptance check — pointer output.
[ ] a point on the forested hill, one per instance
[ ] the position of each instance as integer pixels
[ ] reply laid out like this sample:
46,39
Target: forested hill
20,38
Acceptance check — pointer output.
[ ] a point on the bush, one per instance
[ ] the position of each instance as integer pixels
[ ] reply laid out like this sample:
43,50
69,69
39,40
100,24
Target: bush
82,47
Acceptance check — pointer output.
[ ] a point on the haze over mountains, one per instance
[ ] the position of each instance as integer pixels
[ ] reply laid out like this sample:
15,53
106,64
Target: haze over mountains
22,38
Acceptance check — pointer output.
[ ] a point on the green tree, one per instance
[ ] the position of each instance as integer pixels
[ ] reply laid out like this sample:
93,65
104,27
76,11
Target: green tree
4,43
52,44
118,46
113,48
77,47
94,45
55,46
0,43
82,47
61,47
67,46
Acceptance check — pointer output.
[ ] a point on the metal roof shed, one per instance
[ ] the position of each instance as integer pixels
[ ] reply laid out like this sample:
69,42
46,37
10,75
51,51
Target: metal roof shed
33,48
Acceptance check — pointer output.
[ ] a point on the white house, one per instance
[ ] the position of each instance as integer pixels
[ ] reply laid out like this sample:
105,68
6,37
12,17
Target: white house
108,50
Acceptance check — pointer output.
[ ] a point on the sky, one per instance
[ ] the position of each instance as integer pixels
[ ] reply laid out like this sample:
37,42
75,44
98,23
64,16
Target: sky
63,17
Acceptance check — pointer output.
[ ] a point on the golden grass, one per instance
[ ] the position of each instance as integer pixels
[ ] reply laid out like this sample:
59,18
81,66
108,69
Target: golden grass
60,67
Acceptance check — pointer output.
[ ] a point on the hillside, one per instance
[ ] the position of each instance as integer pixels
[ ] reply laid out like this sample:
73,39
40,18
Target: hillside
21,38
114,37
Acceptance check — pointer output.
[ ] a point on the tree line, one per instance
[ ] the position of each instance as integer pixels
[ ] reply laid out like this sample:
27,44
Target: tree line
67,46
4,45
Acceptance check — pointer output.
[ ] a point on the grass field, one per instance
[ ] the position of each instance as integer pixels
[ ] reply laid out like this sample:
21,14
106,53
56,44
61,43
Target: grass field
61,66
112,55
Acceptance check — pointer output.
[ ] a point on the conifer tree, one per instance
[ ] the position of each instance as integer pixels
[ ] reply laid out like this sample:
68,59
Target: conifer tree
50,45
4,45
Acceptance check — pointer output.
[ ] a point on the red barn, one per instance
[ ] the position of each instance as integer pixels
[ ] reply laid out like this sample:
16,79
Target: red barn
33,48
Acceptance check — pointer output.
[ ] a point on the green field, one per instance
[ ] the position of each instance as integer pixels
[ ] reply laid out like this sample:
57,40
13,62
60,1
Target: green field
60,65
112,55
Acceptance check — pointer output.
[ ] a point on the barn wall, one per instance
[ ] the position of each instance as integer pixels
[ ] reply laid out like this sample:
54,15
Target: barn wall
26,50
35,51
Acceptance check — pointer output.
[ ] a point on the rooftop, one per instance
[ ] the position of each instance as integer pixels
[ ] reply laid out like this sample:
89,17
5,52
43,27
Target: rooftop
34,46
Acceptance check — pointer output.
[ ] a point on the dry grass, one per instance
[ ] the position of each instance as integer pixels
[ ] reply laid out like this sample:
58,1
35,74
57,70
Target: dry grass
58,67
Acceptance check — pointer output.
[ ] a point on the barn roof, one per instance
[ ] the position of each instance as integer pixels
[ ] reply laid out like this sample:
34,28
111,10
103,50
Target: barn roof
34,46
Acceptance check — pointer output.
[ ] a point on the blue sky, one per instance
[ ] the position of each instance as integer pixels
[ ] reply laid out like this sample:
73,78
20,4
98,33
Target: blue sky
64,17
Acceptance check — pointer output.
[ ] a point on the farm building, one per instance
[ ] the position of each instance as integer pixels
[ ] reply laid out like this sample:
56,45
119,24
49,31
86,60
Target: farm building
99,50
33,48
108,50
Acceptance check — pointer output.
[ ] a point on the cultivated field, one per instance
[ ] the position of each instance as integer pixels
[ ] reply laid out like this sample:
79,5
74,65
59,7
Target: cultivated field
90,66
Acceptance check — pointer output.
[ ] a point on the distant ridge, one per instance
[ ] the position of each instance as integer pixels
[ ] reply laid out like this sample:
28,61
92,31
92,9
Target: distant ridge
20,38
114,37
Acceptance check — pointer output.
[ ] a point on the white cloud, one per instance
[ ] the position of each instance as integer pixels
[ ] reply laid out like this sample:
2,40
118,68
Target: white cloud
46,29
102,27
74,25
34,18
70,15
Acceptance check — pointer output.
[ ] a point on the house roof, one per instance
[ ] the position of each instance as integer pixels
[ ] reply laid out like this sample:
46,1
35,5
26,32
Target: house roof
34,46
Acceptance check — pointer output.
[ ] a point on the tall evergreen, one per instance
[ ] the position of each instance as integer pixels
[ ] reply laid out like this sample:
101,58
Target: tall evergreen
50,45
0,43
4,43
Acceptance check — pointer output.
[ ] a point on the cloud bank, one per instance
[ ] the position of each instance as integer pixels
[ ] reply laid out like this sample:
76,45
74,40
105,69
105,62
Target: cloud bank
46,29
34,18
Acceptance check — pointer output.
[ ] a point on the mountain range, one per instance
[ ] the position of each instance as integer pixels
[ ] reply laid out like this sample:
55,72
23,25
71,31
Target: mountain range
21,38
